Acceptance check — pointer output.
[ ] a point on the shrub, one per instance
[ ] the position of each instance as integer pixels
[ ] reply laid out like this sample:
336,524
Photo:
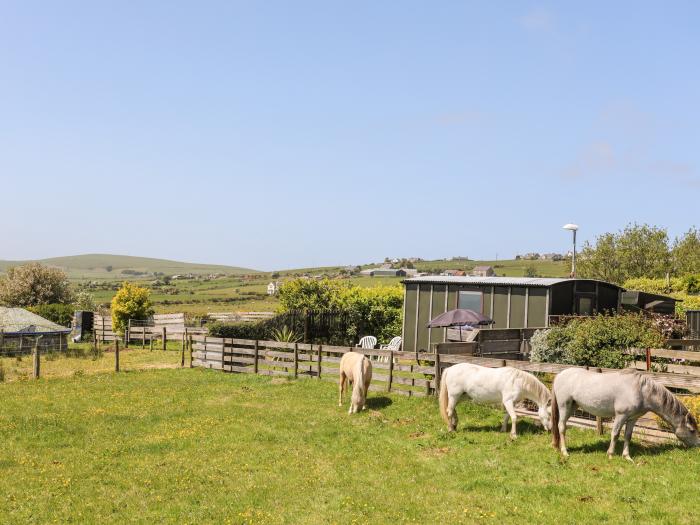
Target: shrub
239,330
32,284
285,335
84,301
596,341
692,403
377,311
57,313
130,302
542,351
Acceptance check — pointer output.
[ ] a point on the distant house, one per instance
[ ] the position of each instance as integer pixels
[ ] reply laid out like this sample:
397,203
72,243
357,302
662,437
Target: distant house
453,273
273,288
383,272
483,271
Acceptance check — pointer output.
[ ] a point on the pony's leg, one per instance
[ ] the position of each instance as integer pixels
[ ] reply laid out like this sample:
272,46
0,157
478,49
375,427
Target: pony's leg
510,410
506,418
615,433
341,385
565,412
451,412
629,427
368,380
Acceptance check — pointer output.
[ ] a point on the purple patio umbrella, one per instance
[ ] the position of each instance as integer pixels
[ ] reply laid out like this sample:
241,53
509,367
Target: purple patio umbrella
460,317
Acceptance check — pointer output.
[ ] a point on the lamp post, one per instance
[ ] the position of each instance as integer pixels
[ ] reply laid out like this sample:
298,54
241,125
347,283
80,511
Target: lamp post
572,228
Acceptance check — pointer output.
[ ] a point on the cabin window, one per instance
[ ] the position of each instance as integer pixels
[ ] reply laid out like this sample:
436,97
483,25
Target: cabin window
470,301
585,305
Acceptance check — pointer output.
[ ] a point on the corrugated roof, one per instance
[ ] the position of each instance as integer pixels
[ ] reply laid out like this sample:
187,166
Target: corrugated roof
19,320
495,281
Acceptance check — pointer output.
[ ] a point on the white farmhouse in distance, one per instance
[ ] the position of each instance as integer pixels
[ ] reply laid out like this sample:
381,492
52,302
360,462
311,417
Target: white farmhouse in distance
273,288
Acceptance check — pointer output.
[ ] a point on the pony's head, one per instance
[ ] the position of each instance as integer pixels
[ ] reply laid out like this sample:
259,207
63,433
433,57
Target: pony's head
545,413
687,431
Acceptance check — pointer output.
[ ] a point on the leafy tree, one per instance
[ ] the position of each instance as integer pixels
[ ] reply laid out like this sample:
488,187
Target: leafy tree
32,284
686,253
531,271
636,251
130,302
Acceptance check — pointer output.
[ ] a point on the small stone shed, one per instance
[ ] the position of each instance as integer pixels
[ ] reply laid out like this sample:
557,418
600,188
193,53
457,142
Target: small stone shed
21,330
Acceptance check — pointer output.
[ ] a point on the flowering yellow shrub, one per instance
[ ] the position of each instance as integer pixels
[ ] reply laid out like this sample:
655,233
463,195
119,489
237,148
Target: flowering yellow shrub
130,302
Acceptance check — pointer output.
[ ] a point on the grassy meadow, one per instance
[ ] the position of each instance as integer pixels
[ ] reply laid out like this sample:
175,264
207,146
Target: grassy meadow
199,446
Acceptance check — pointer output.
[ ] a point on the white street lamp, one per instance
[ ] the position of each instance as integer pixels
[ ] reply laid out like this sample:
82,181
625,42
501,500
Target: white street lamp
572,228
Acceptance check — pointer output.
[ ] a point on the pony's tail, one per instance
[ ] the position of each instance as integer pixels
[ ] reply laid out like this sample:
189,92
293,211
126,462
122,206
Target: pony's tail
358,376
556,438
444,397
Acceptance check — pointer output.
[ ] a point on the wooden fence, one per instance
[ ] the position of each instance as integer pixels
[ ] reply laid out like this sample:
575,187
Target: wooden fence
406,373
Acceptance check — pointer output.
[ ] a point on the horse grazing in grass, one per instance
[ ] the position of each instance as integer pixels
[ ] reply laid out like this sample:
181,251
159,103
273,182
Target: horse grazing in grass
357,369
624,395
502,386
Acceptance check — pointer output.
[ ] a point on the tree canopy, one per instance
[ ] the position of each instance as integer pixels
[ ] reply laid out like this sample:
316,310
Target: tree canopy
34,284
639,251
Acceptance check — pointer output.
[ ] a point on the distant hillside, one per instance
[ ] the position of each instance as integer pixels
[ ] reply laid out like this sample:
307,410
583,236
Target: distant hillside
111,267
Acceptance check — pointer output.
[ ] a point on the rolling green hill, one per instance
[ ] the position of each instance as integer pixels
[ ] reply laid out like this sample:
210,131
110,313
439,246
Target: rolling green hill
115,267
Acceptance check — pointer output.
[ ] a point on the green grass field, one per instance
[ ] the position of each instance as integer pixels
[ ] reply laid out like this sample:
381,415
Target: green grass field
98,266
199,446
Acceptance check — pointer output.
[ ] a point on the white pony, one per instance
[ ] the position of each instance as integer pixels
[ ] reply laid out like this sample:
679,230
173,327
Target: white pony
624,395
502,386
357,369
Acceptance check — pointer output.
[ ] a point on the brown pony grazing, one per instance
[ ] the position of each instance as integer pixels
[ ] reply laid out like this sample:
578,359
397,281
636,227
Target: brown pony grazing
357,369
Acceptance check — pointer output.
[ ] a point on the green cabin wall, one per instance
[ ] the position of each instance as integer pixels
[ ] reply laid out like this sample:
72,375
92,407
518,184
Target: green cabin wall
529,306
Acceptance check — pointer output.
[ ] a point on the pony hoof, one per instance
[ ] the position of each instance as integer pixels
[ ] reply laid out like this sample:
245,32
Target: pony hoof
628,458
610,456
513,436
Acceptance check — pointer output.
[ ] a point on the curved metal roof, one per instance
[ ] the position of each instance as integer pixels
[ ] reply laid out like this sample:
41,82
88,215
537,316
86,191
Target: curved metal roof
495,281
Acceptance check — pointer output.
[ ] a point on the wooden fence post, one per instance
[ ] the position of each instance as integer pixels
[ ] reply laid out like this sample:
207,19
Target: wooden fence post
391,370
436,386
184,344
96,339
296,360
190,344
255,356
223,353
648,356
127,334
318,362
143,338
150,343
37,358
165,339
116,355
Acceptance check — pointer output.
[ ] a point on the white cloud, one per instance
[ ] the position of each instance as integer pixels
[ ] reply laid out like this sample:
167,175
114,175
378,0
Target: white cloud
538,20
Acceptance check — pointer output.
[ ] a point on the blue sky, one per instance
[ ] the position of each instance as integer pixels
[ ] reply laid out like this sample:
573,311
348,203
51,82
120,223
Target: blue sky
289,134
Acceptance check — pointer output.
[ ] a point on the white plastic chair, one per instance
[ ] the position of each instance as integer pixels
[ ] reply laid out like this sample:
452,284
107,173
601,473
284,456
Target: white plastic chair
368,342
394,344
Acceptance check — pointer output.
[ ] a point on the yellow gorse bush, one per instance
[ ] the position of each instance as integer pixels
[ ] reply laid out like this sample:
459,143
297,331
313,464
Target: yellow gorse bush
130,302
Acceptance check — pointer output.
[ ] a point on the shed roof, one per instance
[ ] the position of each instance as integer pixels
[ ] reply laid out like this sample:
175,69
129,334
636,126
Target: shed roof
494,281
19,320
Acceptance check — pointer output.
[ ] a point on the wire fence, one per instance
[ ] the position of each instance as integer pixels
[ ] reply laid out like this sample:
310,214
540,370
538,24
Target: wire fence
35,358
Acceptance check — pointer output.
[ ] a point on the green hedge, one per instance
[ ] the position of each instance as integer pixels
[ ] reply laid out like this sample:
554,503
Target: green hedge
240,330
57,313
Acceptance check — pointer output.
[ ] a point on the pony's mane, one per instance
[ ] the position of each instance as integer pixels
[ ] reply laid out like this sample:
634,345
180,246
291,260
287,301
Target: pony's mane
534,385
669,403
